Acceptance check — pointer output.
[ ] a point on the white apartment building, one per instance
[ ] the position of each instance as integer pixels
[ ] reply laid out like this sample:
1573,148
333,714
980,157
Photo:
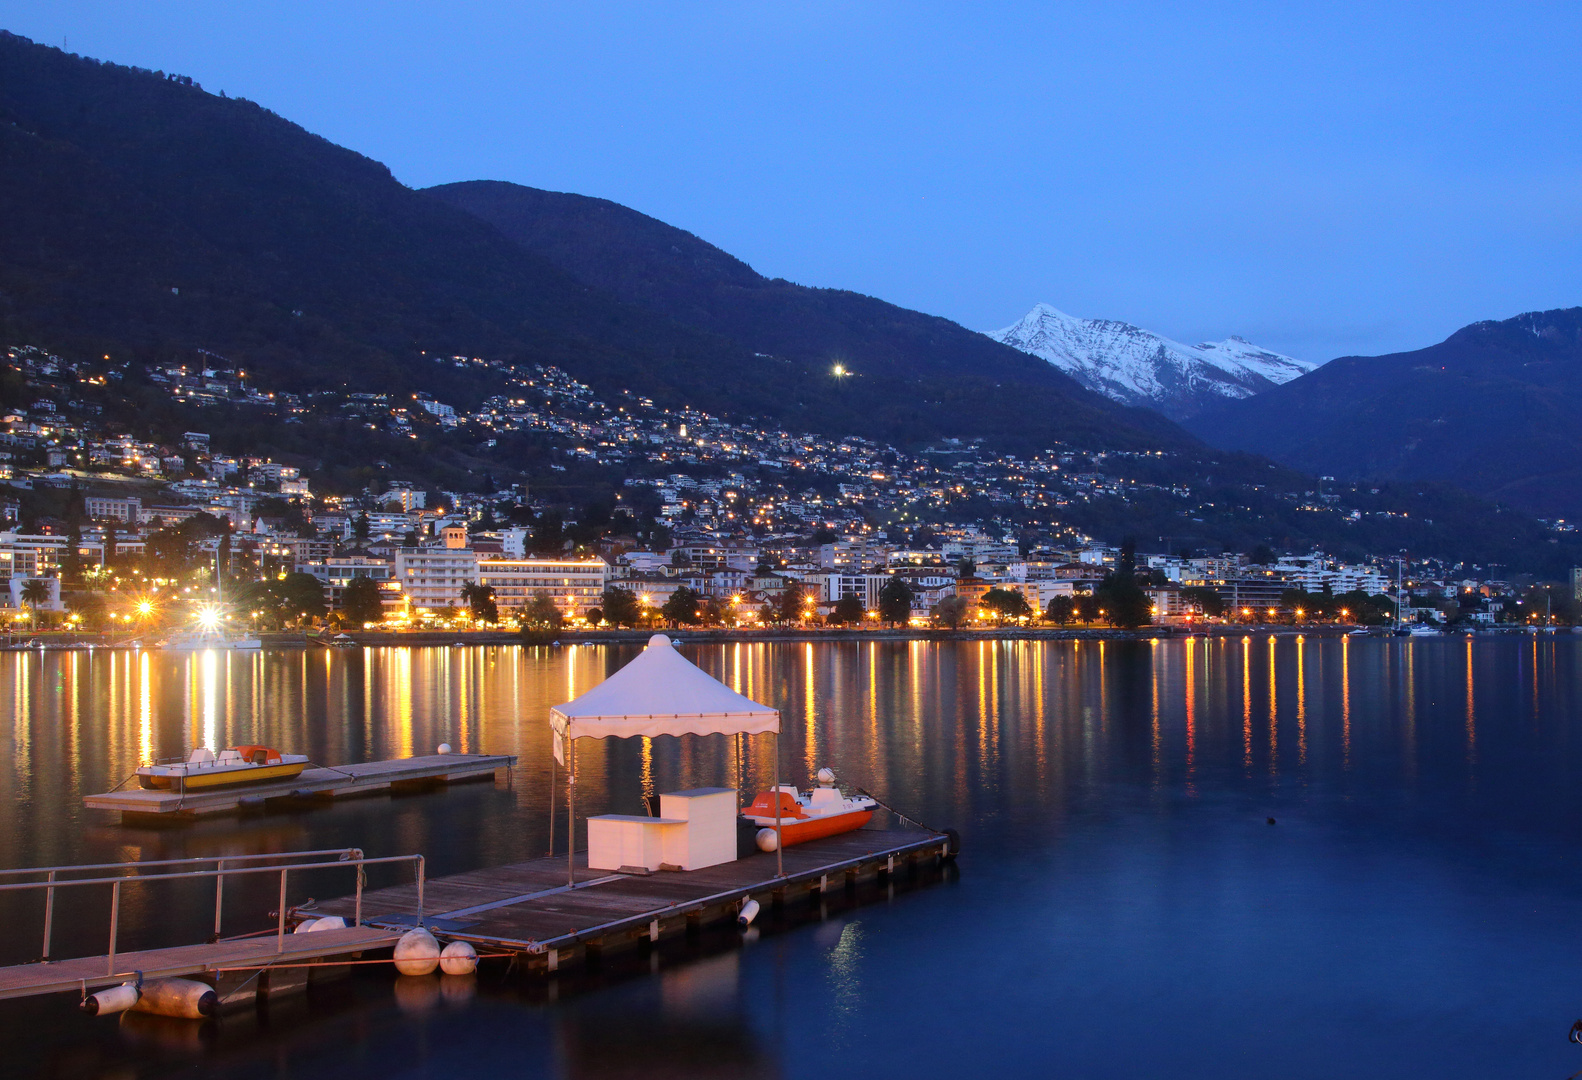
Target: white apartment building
337,571
432,577
574,584
101,509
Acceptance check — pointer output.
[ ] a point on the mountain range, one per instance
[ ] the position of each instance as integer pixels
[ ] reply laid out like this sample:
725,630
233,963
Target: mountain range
1137,367
147,218
1491,409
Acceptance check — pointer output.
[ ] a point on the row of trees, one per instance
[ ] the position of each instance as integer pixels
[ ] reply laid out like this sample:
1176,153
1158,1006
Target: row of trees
688,607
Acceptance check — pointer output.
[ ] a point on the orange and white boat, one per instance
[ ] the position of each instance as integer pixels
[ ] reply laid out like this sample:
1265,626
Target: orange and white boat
237,765
824,811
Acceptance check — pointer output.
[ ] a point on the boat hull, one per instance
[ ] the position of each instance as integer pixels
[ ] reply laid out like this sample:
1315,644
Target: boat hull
801,830
207,778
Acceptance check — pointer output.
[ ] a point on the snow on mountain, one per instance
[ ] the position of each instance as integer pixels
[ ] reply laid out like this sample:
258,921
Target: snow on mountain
1137,367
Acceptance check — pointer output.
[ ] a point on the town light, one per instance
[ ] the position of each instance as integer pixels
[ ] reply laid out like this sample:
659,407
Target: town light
145,607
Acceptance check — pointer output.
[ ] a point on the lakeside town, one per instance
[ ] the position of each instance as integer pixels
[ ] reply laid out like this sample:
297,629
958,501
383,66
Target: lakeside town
715,523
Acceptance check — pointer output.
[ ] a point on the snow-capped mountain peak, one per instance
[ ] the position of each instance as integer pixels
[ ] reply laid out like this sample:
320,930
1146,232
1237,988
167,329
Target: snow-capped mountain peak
1135,366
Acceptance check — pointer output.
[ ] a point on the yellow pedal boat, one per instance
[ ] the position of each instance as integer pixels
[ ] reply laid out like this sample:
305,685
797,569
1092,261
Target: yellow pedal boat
237,765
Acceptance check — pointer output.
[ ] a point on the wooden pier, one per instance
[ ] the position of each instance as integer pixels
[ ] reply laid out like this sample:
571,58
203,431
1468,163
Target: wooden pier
528,910
257,953
523,910
325,782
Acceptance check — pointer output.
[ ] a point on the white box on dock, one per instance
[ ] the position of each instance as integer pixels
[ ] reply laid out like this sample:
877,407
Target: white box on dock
710,834
629,842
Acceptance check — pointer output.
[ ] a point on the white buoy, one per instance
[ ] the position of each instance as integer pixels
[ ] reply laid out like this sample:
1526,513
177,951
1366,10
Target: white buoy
767,840
417,953
306,926
748,913
444,748
458,958
186,998
115,999
329,922
826,777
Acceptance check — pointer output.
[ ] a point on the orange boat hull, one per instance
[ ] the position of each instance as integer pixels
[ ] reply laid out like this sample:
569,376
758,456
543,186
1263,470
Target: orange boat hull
801,830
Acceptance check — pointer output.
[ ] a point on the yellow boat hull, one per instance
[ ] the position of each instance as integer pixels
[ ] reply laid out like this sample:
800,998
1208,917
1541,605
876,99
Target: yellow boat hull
206,778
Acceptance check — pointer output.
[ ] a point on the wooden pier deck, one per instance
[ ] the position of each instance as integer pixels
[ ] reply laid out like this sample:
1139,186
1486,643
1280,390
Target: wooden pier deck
528,909
324,782
92,972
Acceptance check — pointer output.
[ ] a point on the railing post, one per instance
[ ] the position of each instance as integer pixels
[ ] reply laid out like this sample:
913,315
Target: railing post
420,890
219,895
115,921
49,913
357,919
280,937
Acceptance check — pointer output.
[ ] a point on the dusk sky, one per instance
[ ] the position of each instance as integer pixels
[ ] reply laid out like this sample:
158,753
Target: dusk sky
1348,179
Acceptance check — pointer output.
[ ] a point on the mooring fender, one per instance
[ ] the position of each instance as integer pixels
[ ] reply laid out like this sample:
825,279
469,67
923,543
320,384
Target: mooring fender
953,843
186,998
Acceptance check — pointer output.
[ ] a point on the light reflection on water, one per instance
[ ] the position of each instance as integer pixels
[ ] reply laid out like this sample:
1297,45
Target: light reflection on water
1122,907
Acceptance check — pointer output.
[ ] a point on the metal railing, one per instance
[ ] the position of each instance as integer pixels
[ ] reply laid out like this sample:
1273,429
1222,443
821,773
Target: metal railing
224,866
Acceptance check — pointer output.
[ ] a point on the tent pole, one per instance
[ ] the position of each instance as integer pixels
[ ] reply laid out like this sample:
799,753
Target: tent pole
780,864
571,808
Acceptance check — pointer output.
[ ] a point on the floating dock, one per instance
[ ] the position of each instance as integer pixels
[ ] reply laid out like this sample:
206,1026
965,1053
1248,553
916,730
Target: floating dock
324,782
528,910
524,910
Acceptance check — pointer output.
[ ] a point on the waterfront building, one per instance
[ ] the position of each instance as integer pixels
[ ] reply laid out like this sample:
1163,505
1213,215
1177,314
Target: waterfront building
574,584
432,577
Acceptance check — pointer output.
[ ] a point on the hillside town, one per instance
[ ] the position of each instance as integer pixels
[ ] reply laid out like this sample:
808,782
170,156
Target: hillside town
715,522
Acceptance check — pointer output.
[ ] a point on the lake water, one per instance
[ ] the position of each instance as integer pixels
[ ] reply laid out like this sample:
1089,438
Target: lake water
1120,908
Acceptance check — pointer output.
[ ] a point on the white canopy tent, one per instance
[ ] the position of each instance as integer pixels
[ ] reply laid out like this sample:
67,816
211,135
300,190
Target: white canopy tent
658,693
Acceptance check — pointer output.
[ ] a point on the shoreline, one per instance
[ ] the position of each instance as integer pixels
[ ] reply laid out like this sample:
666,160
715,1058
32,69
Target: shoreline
686,635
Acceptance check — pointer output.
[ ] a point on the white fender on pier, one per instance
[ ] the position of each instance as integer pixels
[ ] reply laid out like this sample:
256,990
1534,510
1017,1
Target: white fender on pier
748,913
115,999
458,958
417,953
767,840
186,998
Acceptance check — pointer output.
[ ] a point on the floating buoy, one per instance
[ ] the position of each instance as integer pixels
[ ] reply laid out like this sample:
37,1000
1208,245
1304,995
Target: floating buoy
306,926
767,840
114,1000
458,958
185,998
329,922
444,748
417,953
1271,821
748,913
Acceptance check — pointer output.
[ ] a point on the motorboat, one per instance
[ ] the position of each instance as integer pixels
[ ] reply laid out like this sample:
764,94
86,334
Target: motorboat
343,641
1361,631
237,765
823,811
1423,630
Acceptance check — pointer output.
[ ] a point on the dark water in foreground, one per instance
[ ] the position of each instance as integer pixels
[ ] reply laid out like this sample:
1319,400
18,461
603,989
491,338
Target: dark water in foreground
1121,907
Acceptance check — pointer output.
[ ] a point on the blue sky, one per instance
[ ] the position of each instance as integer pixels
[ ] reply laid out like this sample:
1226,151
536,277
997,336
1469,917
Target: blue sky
1321,180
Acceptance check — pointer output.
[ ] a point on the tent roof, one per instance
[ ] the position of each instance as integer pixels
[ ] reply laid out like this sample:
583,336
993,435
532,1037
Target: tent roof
661,693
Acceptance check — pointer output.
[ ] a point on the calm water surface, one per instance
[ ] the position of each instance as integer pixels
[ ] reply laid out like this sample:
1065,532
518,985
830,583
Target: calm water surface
1121,907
